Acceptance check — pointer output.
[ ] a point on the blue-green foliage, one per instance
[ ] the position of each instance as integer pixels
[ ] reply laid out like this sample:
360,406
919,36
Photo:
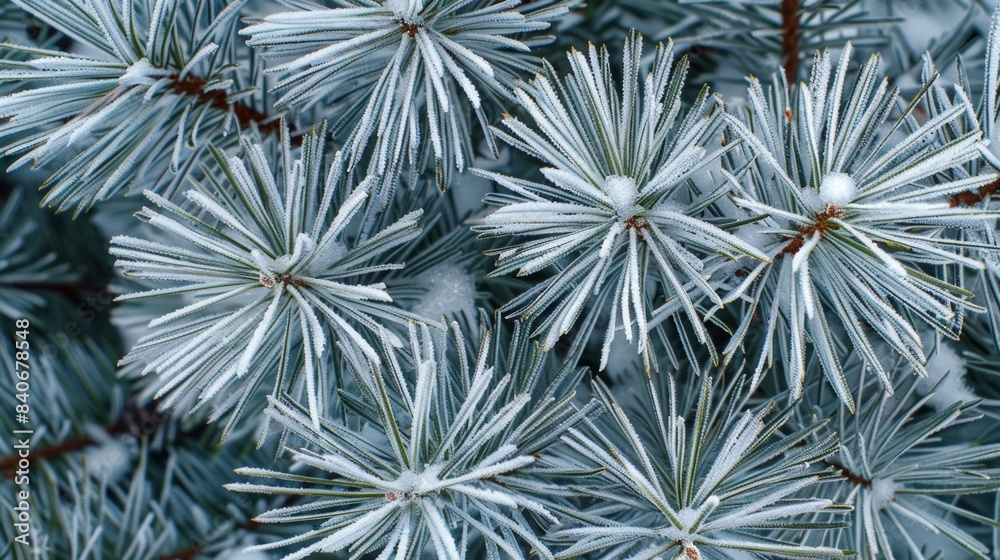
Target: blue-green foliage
500,279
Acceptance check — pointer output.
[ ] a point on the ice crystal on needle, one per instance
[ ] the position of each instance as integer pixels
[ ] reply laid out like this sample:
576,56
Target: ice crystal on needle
614,221
459,442
872,253
671,489
270,266
406,70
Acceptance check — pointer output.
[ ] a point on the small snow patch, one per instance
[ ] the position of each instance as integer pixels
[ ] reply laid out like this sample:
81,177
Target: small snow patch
883,491
451,290
412,484
946,370
407,11
687,517
623,193
837,189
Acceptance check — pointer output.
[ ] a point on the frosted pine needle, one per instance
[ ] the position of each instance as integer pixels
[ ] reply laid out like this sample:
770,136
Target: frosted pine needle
902,469
148,85
856,207
452,445
711,486
614,222
268,271
400,71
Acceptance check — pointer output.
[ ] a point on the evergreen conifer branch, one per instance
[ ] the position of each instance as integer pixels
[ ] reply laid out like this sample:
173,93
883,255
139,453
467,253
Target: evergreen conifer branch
902,472
453,442
836,238
984,282
160,79
757,35
270,267
405,74
715,487
619,208
854,219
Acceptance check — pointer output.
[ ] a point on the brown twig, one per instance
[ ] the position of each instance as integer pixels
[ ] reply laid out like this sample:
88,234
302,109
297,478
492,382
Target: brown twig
972,198
639,225
790,38
193,86
8,464
135,419
410,29
189,553
853,478
76,292
819,226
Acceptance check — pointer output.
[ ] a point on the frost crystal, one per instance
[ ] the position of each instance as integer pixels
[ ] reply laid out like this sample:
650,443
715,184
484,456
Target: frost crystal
140,73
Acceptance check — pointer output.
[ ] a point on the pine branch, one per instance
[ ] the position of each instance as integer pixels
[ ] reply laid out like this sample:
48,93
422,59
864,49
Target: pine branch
283,270
617,215
753,37
450,438
404,70
856,220
832,239
985,282
687,477
157,84
900,459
